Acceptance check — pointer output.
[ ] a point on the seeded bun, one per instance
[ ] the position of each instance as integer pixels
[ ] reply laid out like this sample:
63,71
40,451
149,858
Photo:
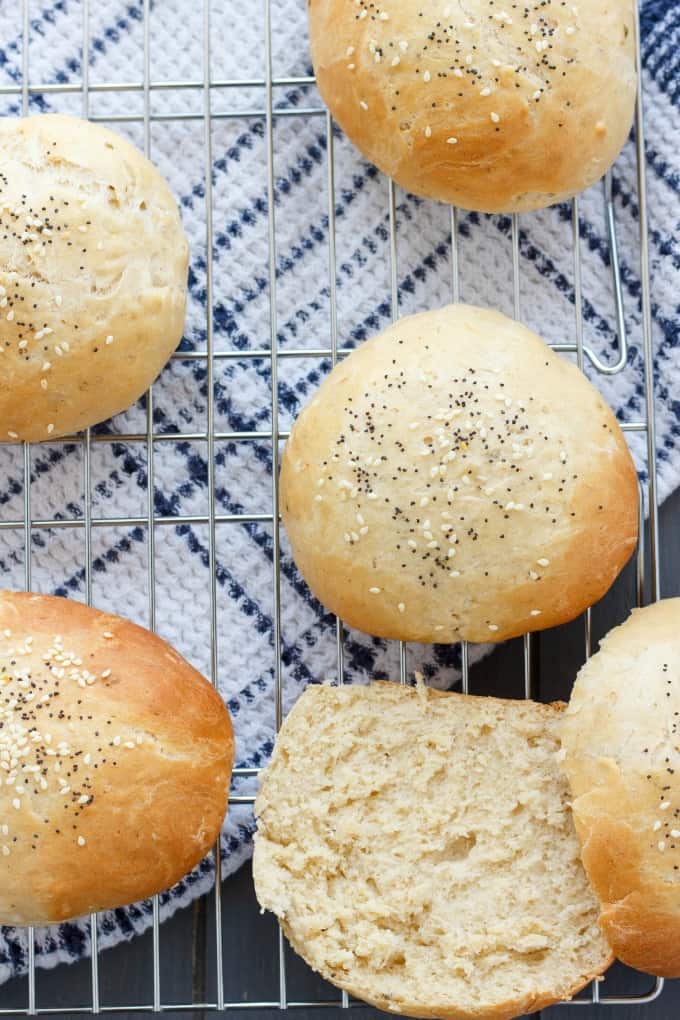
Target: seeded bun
453,478
93,269
117,759
621,746
494,108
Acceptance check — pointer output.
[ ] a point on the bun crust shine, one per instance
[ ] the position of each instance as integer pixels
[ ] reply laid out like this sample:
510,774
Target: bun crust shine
116,759
453,478
489,107
93,270
621,745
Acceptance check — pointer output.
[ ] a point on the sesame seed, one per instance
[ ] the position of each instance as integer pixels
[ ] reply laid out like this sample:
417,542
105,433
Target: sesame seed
5,851
374,591
428,131
12,435
16,803
661,845
401,607
543,562
50,429
58,300
656,826
427,76
81,841
109,340
492,626
485,92
665,806
362,102
452,141
494,117
535,612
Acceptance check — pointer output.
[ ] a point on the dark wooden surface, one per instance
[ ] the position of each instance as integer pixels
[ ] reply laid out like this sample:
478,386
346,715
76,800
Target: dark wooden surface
250,940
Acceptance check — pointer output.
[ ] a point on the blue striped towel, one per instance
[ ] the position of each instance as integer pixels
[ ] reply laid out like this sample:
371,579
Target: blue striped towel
241,320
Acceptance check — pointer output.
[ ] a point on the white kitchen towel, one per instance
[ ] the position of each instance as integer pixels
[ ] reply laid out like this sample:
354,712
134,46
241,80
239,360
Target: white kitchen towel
242,323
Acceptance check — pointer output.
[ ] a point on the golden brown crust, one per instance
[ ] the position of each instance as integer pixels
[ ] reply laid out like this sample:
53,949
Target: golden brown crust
140,742
528,480
94,264
620,744
510,87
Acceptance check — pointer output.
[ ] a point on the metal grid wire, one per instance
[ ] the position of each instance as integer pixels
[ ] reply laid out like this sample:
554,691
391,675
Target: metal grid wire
647,557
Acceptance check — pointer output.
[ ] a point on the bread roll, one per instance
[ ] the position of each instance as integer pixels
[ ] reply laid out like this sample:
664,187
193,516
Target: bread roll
490,107
93,269
419,851
622,758
116,759
453,478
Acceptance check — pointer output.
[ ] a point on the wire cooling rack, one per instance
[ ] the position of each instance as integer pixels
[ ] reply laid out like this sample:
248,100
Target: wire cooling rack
267,110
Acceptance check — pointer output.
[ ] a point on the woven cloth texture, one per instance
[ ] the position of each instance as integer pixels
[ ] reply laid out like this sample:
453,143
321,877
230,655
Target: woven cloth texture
241,323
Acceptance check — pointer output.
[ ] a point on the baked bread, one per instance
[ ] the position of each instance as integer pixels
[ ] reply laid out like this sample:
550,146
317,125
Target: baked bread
116,759
419,851
93,270
454,478
494,108
622,756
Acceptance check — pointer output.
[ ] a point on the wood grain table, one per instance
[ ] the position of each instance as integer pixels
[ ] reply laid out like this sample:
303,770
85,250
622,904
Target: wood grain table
250,940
